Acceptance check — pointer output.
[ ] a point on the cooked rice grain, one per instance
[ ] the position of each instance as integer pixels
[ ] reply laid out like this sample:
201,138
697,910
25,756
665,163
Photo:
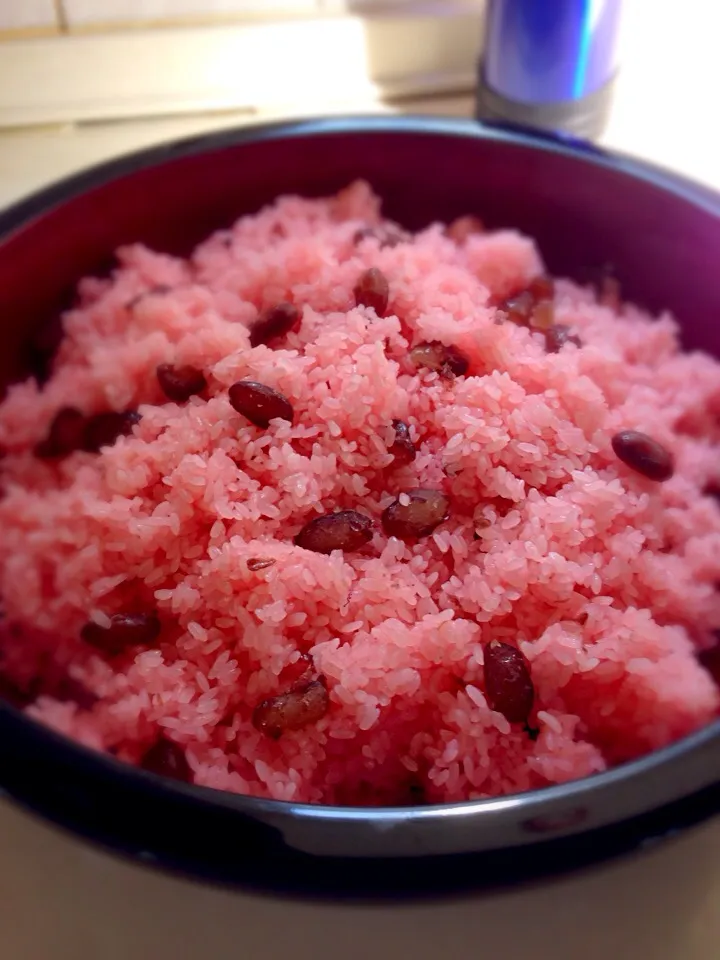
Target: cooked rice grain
605,580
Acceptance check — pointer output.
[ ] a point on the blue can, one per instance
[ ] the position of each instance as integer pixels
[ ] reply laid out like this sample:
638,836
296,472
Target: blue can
550,63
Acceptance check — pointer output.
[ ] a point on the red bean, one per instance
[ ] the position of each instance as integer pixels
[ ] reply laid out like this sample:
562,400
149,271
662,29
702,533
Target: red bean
292,710
643,455
543,315
519,308
464,227
508,685
445,360
346,530
167,759
541,288
66,434
387,235
532,306
297,674
402,448
103,429
557,336
260,563
393,236
180,383
125,630
424,511
275,322
259,403
373,290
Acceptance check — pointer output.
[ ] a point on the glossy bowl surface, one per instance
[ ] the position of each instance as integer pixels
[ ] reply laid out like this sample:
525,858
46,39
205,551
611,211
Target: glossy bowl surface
586,208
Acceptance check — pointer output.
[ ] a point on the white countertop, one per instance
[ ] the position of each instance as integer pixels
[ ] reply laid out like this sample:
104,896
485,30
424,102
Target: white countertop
60,900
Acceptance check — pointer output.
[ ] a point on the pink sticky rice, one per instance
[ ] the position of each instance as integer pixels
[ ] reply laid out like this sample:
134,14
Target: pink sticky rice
605,580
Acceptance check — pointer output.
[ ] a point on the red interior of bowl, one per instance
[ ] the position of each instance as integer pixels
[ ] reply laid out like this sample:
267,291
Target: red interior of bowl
584,212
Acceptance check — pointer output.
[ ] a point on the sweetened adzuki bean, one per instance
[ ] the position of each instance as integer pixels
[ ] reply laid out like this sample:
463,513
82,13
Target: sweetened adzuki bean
180,383
541,287
543,315
298,673
124,630
372,290
103,429
292,710
66,434
387,235
346,530
259,403
643,455
275,322
402,448
464,227
519,308
533,305
558,335
167,759
418,517
445,360
260,563
508,685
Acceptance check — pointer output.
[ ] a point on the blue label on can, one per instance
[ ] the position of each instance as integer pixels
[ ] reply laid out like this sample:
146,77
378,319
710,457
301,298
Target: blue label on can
545,51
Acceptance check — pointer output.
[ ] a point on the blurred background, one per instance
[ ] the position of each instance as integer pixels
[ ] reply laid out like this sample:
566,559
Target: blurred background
82,80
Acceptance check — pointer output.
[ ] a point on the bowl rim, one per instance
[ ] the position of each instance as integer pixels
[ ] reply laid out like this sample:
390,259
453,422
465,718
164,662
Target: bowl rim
39,203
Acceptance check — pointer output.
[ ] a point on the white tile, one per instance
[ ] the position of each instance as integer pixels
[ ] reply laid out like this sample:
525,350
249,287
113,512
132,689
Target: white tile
26,14
87,12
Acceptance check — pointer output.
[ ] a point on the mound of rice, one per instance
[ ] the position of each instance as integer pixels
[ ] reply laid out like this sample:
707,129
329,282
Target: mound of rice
603,579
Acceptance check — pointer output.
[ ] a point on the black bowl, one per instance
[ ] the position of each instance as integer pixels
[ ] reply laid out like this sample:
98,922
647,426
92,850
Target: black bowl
586,208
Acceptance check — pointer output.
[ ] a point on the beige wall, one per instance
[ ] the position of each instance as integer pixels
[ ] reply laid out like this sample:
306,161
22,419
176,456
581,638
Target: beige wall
38,17
28,16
